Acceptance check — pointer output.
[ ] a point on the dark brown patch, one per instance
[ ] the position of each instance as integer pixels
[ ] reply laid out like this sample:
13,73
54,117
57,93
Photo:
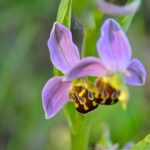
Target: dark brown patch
88,104
107,94
86,100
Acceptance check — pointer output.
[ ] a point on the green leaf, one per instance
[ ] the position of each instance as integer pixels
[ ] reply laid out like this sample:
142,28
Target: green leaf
64,12
91,35
125,21
142,145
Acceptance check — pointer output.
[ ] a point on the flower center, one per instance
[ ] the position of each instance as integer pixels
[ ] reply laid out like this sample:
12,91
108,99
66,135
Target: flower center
87,96
117,2
83,95
107,93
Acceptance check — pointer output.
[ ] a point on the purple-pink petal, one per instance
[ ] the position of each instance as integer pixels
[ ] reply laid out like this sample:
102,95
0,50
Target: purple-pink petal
89,66
135,74
54,96
116,10
63,52
113,46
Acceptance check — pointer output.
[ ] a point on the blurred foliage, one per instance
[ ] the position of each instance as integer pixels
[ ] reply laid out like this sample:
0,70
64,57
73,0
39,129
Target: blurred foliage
25,67
64,13
144,144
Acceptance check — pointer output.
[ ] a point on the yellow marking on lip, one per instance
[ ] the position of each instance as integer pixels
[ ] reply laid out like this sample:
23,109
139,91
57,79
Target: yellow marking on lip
96,95
76,105
85,107
105,94
94,103
105,79
82,93
103,101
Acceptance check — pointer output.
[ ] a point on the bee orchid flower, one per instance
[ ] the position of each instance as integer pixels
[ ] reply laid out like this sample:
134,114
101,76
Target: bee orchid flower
114,9
65,57
115,63
115,52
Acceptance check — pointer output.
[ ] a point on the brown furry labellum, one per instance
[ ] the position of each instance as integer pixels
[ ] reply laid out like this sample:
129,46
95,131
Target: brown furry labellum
84,99
107,94
87,100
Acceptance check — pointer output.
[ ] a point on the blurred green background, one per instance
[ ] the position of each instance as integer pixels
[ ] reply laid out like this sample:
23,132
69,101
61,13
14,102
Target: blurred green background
25,67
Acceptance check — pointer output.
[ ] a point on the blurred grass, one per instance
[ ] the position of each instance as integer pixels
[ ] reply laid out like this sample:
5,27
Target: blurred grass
25,67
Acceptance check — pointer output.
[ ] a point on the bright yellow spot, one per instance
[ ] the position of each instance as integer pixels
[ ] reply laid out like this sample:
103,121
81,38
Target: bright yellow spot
85,107
76,105
84,83
94,103
106,79
103,101
96,95
112,80
82,93
123,97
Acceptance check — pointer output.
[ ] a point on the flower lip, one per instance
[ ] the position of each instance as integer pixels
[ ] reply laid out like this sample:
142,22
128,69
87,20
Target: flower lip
116,10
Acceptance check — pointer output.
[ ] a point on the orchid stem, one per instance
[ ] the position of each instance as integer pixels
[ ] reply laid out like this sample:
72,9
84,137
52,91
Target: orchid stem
80,136
79,140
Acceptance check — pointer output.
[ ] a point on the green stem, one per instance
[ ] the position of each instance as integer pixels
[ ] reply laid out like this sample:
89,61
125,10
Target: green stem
80,133
80,137
80,127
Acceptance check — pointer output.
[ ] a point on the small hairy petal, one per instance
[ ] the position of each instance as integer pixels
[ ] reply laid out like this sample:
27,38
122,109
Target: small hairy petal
63,52
54,96
113,46
89,66
116,10
135,74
